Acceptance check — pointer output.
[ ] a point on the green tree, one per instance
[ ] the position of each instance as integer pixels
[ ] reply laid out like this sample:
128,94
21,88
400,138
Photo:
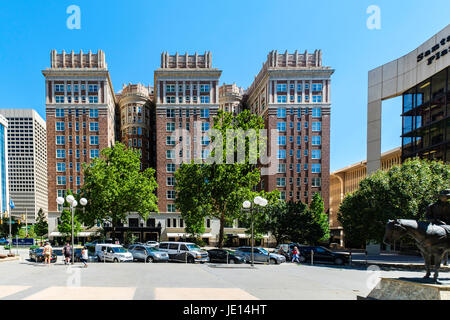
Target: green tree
219,189
65,220
41,226
402,192
4,227
114,186
320,228
24,234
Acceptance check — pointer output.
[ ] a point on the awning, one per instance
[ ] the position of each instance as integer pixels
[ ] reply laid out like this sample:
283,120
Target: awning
207,235
243,235
175,234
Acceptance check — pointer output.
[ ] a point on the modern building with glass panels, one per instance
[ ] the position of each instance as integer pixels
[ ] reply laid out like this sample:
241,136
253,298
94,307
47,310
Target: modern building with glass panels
426,121
4,193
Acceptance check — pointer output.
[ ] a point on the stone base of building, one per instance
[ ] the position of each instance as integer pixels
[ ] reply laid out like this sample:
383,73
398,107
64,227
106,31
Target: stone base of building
409,289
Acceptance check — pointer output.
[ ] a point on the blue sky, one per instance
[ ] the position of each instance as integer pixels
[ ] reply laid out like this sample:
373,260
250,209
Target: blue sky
238,33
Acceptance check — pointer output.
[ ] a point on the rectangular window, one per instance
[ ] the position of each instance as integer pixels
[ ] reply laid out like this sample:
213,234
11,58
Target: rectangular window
170,167
298,167
283,195
205,126
78,167
93,99
298,140
281,99
281,87
60,153
281,113
170,181
60,167
204,88
170,208
315,154
205,153
316,112
281,154
170,88
204,99
61,180
204,113
281,126
59,99
94,153
59,112
281,168
316,87
60,140
170,141
93,126
299,87
93,140
77,139
170,154
281,140
316,140
281,182
170,194
78,181
59,88
315,167
93,113
317,98
60,126
77,126
315,182
317,126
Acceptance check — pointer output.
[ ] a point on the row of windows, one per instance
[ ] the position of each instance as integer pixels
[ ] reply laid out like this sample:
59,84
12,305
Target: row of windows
315,140
316,183
282,87
281,182
315,154
316,126
93,113
60,126
93,140
315,167
315,112
61,166
203,87
62,99
61,180
61,153
283,99
204,113
91,88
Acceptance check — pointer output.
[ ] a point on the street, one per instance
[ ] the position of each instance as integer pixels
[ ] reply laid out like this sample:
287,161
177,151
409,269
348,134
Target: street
27,280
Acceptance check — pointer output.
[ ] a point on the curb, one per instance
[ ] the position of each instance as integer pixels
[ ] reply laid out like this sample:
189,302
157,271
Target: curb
418,267
9,259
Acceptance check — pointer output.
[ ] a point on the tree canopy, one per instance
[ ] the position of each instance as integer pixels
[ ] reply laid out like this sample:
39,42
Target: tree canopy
41,226
404,191
65,220
114,186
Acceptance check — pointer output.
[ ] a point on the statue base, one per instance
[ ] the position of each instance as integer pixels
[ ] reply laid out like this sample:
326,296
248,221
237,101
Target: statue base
410,289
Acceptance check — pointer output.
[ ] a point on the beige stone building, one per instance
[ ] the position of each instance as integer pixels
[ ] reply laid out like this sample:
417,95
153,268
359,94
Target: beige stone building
347,180
230,98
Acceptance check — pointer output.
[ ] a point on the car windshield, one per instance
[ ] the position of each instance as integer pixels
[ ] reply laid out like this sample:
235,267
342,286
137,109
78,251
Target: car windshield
119,249
152,249
193,247
263,251
229,251
39,250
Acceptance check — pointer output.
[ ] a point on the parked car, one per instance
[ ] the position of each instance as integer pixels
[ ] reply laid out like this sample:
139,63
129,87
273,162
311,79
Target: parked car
184,252
260,255
152,243
323,255
112,253
147,253
286,249
4,241
37,255
225,256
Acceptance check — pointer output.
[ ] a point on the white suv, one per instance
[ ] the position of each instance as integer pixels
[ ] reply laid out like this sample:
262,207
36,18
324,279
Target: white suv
112,253
184,251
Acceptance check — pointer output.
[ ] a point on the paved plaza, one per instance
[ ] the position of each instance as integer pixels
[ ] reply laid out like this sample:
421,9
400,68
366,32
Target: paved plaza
31,281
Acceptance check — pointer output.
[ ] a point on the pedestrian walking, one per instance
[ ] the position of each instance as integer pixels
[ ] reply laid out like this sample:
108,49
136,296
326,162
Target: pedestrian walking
84,256
67,251
295,257
48,250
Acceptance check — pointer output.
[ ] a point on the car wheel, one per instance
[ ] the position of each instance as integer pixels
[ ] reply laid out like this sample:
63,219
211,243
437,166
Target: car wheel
190,260
150,259
338,261
115,260
302,259
272,261
231,261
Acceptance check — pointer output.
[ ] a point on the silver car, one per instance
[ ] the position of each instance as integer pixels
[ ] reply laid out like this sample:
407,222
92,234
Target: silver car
260,255
147,253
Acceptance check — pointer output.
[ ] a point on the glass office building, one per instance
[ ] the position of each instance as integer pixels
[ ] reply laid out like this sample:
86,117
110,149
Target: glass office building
3,165
426,119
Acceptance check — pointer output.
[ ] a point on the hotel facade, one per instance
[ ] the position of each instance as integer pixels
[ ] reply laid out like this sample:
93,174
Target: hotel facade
292,92
27,162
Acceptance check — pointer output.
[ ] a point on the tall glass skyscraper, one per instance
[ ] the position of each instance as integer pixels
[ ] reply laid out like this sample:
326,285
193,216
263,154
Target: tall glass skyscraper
3,165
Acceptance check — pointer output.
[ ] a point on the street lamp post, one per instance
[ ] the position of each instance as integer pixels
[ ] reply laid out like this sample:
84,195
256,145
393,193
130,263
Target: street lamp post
73,203
247,205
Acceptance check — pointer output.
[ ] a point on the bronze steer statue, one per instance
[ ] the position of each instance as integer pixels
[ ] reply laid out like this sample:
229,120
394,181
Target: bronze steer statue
432,240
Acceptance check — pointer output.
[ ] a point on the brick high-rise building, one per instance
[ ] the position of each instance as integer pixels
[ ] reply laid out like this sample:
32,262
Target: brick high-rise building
292,93
137,121
186,97
80,112
4,190
27,162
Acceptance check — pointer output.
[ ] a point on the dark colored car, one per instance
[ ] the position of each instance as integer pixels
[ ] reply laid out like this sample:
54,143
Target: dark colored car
225,256
323,255
37,255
